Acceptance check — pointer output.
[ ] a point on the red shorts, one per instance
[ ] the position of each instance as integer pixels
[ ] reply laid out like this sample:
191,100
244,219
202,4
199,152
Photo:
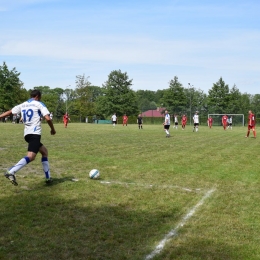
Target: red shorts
251,127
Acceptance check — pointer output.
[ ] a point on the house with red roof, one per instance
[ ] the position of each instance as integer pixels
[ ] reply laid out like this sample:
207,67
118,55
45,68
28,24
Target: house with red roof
159,112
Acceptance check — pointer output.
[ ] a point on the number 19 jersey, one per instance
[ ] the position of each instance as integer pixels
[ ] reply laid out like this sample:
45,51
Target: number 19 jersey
31,112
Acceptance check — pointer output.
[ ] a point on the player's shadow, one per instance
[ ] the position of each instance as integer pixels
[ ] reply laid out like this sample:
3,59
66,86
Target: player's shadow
56,181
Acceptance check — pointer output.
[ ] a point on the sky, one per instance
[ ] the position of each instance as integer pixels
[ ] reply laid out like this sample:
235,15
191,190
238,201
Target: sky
50,42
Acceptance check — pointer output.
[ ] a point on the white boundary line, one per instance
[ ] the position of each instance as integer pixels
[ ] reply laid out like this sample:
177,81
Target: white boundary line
150,185
173,232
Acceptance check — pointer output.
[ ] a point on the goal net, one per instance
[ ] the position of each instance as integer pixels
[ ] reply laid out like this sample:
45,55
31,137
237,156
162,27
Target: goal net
237,119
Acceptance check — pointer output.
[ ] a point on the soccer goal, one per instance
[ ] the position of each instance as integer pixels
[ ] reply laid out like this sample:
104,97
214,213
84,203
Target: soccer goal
237,119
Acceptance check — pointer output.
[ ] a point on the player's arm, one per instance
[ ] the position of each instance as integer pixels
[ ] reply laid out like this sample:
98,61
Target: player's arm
5,114
49,121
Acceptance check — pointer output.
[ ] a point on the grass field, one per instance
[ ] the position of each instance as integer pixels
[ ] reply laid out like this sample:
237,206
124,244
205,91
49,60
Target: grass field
197,192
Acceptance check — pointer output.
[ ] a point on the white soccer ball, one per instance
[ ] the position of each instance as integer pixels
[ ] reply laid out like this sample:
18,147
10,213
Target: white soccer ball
94,174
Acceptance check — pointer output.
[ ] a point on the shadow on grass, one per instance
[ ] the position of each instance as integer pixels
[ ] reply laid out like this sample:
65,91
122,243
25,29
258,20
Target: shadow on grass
56,181
41,224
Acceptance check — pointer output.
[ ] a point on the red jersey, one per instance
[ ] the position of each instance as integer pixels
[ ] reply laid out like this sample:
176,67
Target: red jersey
251,119
125,118
210,120
65,117
224,119
184,119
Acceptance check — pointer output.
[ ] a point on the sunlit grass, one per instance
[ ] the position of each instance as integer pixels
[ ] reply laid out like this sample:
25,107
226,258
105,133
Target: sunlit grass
148,184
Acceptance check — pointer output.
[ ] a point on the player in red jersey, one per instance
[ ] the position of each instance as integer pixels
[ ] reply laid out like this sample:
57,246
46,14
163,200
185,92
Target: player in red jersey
251,123
210,121
224,121
183,121
125,119
66,119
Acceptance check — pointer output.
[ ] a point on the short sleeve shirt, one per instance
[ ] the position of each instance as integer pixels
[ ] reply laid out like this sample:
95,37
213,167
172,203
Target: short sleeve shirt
196,119
31,112
167,119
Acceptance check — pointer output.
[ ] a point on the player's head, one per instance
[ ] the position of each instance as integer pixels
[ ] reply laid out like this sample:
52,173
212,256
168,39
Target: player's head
166,112
36,93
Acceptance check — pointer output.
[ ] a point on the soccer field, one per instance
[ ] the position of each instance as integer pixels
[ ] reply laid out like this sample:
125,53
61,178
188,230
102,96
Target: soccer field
190,196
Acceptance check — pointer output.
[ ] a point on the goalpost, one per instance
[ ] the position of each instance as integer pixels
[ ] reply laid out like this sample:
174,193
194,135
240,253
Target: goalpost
238,119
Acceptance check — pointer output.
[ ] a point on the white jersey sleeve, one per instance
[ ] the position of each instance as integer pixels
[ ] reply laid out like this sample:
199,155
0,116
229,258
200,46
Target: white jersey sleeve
31,112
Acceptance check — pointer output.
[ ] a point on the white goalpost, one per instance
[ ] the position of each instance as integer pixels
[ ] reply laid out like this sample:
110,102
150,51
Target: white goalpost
238,119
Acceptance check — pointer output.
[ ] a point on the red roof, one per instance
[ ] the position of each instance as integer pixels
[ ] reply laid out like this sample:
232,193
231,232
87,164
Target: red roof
154,113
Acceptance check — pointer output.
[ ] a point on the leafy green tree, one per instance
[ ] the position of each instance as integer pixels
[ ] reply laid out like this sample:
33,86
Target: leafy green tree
118,97
256,105
218,97
174,97
84,103
11,88
234,101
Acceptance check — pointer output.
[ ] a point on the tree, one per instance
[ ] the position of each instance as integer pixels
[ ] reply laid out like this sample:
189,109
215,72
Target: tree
84,98
174,97
234,101
11,88
118,97
218,97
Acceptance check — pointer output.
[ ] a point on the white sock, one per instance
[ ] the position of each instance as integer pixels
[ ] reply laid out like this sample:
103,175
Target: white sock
19,165
46,167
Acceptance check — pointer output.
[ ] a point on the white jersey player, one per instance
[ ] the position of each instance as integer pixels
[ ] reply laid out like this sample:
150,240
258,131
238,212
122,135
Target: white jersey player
31,112
196,122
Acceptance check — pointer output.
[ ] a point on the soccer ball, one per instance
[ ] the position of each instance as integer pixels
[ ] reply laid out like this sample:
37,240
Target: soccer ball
94,174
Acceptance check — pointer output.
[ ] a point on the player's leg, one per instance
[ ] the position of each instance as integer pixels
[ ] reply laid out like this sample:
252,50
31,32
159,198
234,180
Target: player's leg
34,142
45,163
254,132
166,128
248,131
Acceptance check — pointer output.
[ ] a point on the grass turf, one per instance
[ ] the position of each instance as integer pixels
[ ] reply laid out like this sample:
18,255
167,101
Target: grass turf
148,184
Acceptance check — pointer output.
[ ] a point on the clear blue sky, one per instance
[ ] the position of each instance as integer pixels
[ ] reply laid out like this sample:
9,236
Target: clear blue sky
51,41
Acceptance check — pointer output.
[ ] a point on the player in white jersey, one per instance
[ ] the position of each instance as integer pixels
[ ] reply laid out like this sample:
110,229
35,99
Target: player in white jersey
176,121
31,112
114,119
167,123
196,122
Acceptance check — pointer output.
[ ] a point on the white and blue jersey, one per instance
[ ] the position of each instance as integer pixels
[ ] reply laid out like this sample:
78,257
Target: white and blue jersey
31,112
167,119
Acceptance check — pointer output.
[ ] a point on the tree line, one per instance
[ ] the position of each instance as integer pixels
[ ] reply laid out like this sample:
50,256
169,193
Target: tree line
116,96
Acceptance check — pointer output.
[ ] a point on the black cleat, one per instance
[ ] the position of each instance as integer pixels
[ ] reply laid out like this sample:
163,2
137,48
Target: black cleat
49,181
11,178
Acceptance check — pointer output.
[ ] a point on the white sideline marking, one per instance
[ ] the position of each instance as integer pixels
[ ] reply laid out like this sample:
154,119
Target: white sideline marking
150,185
173,232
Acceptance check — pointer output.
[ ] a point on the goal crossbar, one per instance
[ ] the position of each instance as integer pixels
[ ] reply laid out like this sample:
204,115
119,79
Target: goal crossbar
243,117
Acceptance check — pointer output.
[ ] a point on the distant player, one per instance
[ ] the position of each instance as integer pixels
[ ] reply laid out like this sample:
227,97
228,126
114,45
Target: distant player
66,119
176,123
114,119
167,123
224,121
251,124
140,121
125,119
183,121
196,122
230,122
210,122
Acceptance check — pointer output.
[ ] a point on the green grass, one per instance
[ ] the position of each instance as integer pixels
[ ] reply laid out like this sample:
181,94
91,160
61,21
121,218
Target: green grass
148,185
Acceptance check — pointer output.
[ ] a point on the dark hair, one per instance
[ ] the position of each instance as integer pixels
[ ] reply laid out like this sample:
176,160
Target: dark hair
35,93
